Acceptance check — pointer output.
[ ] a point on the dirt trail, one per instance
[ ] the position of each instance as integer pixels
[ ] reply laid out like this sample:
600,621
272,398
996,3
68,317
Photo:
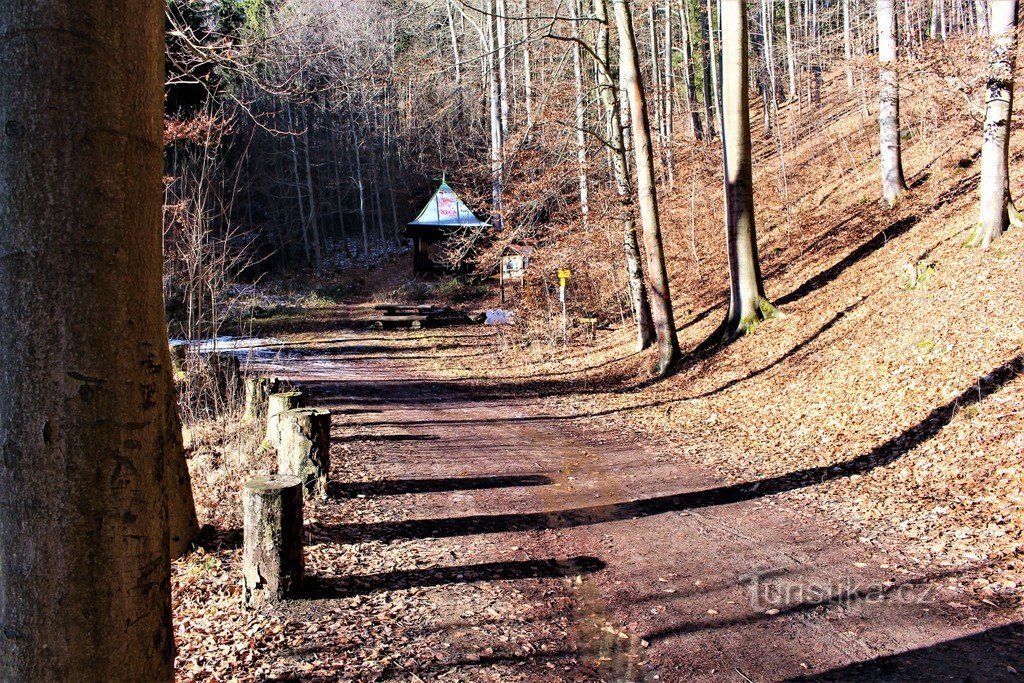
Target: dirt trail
656,569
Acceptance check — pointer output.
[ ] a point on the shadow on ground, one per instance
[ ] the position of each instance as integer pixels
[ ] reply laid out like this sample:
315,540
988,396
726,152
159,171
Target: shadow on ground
325,588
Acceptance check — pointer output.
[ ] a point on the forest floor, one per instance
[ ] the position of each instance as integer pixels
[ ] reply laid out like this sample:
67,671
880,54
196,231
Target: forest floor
838,495
481,529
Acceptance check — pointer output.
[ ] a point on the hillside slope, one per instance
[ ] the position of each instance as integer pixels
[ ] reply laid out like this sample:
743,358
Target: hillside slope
890,394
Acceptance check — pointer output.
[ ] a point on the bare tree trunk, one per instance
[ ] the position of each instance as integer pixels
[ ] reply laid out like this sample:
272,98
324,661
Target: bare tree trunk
661,299
497,129
313,222
848,46
580,122
86,426
748,305
298,183
893,182
716,84
790,54
502,36
455,46
668,81
659,120
634,271
981,12
360,186
527,68
339,198
692,115
996,204
706,58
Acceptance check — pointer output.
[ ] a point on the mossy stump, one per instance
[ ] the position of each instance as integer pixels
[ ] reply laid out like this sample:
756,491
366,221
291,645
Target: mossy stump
257,393
304,447
277,404
272,561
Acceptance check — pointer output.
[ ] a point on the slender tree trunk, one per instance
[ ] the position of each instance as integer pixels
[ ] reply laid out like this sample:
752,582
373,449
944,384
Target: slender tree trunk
313,220
527,68
668,82
634,271
848,46
502,36
748,304
86,424
790,54
706,79
497,129
686,39
298,184
981,12
996,205
716,84
661,299
580,122
361,187
340,197
893,182
455,46
659,120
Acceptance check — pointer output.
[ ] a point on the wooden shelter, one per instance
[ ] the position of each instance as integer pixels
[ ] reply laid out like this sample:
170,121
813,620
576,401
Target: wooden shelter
443,216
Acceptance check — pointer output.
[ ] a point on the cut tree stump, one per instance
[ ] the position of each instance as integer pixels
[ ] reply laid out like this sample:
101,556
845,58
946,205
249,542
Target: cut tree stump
304,447
257,394
226,372
277,404
272,562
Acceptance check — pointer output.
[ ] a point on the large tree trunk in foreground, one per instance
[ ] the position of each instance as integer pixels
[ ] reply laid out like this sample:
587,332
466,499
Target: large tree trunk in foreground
634,271
996,206
657,274
748,304
85,429
893,182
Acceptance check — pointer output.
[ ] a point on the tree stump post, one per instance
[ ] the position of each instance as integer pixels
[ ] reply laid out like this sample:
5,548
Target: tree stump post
179,357
304,447
272,561
257,394
277,404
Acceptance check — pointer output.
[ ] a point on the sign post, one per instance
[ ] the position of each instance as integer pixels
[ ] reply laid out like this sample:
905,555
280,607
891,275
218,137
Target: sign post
563,278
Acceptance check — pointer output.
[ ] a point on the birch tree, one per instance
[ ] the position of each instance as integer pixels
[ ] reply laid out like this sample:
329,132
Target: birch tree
997,209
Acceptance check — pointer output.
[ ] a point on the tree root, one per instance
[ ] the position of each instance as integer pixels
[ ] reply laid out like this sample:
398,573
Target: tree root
734,327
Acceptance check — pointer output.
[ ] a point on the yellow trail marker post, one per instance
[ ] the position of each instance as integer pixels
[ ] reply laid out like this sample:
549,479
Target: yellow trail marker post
563,278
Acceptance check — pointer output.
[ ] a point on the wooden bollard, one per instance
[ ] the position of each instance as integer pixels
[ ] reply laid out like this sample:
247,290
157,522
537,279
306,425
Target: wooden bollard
272,561
277,404
304,447
257,393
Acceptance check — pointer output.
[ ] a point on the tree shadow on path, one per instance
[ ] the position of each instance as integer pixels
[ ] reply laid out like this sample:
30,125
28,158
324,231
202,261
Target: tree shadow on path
326,588
882,455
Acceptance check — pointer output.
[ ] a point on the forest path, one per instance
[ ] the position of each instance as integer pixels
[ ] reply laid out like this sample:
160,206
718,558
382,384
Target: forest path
568,553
